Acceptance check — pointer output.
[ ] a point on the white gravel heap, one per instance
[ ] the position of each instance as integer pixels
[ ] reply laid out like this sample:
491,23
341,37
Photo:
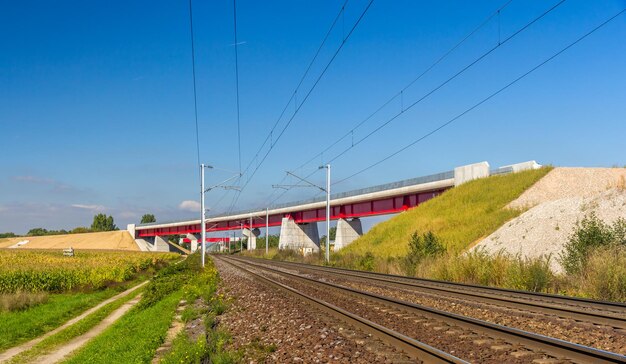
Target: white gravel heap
562,198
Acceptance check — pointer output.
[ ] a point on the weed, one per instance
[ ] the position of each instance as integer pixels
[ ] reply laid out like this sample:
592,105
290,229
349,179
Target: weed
21,300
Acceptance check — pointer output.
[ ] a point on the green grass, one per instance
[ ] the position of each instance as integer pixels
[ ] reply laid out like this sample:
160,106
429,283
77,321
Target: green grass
20,326
459,217
73,331
134,338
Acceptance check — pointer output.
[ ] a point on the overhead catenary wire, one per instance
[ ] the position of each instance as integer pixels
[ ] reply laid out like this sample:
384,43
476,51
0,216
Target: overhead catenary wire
307,95
438,87
293,98
410,84
400,93
269,136
450,79
447,123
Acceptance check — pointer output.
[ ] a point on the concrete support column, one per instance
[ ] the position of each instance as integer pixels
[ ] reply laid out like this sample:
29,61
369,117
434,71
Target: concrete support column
302,237
194,241
347,232
251,235
160,245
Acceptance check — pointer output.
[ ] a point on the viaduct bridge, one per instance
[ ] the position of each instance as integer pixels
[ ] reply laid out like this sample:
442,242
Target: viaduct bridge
298,220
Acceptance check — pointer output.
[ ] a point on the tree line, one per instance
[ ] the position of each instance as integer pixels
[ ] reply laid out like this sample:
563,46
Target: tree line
101,222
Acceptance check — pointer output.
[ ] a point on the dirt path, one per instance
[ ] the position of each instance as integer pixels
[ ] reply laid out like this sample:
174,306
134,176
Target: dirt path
62,351
27,345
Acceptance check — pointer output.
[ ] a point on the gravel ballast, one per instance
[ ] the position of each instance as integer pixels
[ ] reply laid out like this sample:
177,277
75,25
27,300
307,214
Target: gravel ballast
292,332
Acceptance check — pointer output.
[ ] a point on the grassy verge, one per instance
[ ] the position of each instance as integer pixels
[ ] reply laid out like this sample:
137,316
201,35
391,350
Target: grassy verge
21,326
210,345
73,331
138,334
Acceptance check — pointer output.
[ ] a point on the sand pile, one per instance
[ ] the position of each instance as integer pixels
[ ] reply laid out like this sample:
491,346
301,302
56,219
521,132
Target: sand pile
564,182
546,228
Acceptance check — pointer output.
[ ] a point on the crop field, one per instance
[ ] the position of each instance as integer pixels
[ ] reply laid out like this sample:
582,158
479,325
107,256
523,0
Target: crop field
50,271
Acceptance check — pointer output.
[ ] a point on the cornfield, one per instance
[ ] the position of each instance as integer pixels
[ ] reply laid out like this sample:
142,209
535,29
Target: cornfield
50,271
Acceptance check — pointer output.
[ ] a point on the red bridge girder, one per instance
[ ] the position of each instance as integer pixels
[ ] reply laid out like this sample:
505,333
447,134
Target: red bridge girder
384,206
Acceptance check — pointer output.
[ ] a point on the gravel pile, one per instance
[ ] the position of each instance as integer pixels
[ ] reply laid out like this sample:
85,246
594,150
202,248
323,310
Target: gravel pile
565,182
262,319
545,229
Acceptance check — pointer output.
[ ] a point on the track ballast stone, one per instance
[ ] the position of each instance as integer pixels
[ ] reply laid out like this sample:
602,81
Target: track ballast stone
262,318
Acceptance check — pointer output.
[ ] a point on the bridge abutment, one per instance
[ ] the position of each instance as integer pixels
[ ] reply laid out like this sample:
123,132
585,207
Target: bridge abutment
347,232
303,237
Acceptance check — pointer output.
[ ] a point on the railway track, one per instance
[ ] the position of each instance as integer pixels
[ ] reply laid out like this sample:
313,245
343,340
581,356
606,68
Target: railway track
611,314
366,303
410,346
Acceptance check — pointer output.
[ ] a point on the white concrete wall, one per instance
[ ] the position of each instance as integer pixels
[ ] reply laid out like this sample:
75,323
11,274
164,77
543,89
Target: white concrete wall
347,232
470,172
302,237
131,229
524,166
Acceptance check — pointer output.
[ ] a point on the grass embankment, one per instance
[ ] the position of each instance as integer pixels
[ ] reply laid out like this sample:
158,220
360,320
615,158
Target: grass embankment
138,334
431,241
459,217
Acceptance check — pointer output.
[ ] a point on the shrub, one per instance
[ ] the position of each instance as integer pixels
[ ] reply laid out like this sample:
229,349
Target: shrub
423,246
589,234
366,262
530,274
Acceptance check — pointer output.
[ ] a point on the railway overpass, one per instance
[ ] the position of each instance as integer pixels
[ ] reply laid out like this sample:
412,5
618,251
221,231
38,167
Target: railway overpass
298,220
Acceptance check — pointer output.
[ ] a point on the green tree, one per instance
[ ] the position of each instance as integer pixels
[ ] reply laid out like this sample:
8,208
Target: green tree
80,230
37,232
7,235
148,218
102,222
333,234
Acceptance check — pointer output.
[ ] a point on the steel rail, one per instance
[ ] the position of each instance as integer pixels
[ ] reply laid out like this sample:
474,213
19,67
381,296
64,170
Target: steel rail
413,348
552,346
562,306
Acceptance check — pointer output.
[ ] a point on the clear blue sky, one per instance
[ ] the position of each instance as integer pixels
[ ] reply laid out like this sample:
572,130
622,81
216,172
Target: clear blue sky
96,103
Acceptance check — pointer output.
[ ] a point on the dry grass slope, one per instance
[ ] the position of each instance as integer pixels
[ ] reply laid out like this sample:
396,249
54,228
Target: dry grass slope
459,216
107,240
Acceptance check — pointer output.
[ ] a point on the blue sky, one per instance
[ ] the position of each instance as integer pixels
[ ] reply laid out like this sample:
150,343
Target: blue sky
96,103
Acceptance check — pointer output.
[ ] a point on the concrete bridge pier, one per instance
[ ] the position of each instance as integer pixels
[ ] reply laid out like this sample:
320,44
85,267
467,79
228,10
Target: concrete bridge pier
347,232
194,241
160,244
251,235
302,237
